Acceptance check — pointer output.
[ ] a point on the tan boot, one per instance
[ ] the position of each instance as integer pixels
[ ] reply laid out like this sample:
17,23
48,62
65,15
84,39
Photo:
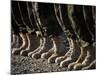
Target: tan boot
88,58
47,44
23,46
75,53
59,48
37,49
70,48
33,43
79,60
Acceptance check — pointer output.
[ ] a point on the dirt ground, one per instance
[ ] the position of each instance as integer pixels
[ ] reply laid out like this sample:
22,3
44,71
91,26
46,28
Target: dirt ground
27,65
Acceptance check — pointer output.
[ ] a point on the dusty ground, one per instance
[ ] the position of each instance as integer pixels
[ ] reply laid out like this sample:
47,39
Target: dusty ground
27,65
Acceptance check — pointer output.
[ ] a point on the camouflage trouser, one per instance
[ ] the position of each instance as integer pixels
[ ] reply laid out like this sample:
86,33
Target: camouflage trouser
82,21
32,16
